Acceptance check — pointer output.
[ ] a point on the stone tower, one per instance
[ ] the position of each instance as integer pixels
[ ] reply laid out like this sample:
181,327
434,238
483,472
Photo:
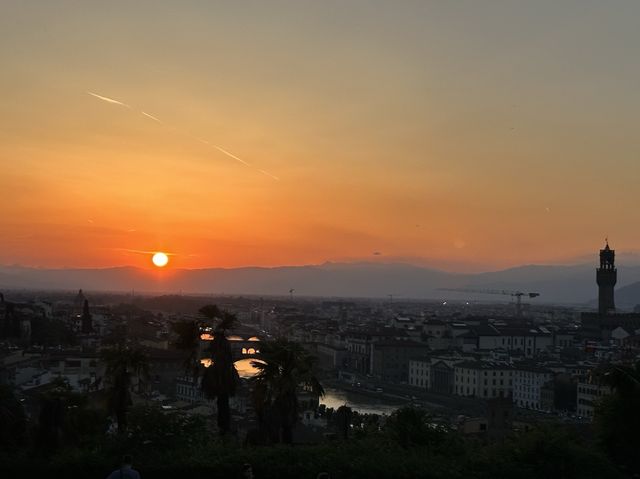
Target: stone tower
606,277
87,326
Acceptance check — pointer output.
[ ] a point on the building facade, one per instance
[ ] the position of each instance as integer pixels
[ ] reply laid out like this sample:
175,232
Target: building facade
528,384
606,277
390,359
483,379
589,393
420,372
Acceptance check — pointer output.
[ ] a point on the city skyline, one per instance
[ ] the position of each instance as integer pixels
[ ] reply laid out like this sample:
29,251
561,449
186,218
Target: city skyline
319,239
466,137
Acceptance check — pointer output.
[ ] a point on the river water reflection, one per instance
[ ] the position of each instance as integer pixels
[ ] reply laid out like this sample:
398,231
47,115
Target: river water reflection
364,404
245,367
334,398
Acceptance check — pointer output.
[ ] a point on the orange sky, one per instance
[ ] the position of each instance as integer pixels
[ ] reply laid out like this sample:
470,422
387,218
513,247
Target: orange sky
465,135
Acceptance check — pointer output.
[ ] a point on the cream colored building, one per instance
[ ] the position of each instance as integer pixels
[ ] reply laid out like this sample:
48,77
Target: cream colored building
483,379
588,396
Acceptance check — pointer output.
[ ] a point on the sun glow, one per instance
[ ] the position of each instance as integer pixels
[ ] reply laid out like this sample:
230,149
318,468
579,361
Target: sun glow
160,259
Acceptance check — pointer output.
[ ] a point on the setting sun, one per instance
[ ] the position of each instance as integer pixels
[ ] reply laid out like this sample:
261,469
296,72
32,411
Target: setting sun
160,259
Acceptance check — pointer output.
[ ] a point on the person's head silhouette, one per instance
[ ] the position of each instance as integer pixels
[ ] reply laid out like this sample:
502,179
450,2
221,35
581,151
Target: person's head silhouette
125,471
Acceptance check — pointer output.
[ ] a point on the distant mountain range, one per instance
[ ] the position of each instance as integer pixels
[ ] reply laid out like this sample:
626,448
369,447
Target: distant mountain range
556,284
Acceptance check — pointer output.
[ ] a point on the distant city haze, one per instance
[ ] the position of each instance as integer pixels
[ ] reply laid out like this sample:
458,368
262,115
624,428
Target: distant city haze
391,282
465,136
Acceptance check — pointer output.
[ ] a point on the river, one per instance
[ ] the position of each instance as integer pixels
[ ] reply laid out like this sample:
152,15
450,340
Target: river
363,403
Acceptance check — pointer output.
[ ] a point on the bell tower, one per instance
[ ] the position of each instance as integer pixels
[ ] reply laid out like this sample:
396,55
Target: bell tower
606,277
86,327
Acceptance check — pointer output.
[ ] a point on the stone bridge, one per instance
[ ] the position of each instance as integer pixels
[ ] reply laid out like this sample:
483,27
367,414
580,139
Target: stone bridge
241,347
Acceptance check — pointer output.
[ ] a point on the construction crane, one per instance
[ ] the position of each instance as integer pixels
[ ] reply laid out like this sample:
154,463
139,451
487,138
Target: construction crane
391,296
515,294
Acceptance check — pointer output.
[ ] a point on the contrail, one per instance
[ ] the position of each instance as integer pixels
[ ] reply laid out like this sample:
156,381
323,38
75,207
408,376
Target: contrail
148,115
269,175
231,155
108,100
201,140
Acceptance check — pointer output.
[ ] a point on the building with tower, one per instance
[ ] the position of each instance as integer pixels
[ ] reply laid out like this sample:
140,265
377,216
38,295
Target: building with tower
86,324
599,326
78,304
606,277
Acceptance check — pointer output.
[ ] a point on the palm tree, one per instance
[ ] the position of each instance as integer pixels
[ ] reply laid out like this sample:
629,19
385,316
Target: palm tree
123,363
189,340
285,367
220,379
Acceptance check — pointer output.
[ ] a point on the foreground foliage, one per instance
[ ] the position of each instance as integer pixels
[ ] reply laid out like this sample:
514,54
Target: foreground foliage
285,368
220,379
166,445
124,364
618,416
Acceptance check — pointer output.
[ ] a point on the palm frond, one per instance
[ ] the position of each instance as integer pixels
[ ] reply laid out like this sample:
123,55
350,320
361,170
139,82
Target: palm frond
285,366
211,311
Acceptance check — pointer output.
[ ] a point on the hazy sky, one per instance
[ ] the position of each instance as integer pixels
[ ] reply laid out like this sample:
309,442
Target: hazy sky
466,135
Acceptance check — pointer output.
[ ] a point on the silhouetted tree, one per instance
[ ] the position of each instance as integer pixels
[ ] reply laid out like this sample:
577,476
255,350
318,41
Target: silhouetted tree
410,426
150,426
617,416
12,419
51,418
65,418
188,340
565,393
220,379
285,367
343,421
122,364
